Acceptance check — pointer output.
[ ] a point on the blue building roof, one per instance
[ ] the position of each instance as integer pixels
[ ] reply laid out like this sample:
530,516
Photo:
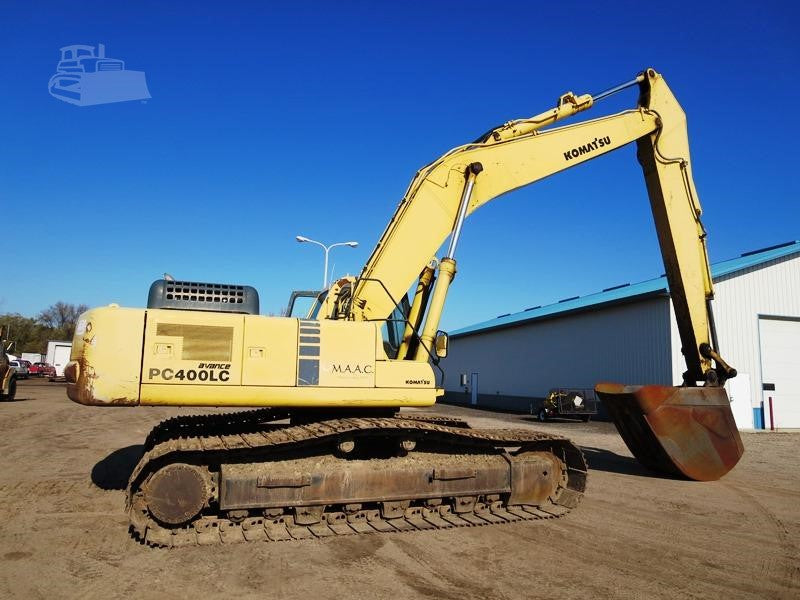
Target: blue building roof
627,292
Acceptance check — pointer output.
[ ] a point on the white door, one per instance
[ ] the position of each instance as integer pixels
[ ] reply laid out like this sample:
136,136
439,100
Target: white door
780,370
473,388
739,394
61,358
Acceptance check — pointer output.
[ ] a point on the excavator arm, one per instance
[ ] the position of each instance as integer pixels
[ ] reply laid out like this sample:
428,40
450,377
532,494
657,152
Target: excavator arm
518,153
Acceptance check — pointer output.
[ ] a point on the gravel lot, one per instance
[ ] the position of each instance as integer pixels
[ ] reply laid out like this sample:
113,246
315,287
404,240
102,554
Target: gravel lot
63,531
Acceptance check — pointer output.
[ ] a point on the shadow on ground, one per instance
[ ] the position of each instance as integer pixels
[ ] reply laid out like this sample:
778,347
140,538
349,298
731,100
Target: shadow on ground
113,472
603,460
554,420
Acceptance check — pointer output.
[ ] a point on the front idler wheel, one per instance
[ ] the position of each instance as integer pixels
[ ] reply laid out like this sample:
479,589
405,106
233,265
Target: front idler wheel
176,493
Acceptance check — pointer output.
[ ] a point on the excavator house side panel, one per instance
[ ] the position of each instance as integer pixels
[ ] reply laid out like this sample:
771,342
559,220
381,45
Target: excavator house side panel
681,431
298,396
105,360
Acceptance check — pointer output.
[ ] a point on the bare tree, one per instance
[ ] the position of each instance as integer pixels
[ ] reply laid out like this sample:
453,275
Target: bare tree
63,317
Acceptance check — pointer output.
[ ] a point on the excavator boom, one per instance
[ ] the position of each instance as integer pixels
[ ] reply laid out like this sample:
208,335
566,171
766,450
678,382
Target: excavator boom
691,430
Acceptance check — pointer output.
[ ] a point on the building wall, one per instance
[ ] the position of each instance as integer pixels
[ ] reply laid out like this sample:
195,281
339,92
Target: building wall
631,343
578,350
768,289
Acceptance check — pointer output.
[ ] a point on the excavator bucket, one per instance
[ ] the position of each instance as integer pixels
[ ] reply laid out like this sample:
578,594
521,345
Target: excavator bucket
681,431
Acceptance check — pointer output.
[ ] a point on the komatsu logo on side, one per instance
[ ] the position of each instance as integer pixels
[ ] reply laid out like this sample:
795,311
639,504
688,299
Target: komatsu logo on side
587,148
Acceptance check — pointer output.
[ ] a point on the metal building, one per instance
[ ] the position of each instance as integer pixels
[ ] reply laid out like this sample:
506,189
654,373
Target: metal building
628,334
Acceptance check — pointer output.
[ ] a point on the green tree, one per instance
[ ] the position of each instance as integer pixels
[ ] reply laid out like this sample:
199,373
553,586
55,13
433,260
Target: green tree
26,334
56,322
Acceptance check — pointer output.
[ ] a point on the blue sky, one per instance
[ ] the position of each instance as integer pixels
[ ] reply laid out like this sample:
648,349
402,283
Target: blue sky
269,121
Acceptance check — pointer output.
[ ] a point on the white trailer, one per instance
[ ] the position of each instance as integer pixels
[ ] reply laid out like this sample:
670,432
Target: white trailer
58,355
33,357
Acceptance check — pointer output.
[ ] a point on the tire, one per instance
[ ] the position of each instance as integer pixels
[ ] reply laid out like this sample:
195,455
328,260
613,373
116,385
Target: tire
542,415
586,418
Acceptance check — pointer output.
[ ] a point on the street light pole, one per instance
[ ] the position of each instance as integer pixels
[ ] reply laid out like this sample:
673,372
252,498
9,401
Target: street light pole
327,249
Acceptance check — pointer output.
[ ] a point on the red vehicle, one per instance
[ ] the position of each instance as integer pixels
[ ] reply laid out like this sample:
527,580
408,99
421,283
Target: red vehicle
41,369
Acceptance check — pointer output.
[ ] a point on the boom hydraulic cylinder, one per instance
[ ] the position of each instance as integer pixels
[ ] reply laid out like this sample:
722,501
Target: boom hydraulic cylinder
447,267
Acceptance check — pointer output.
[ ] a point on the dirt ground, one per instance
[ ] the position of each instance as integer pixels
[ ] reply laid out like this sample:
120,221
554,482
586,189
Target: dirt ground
63,531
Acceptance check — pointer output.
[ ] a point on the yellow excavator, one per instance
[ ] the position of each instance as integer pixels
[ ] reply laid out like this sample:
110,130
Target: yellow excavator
326,451
8,377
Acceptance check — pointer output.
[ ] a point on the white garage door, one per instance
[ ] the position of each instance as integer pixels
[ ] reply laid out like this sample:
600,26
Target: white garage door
780,367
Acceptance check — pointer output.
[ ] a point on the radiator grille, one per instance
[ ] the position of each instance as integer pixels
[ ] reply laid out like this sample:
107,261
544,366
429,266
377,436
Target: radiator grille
205,292
194,295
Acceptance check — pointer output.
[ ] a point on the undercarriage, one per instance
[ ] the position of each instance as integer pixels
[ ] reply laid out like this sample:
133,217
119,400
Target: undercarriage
245,477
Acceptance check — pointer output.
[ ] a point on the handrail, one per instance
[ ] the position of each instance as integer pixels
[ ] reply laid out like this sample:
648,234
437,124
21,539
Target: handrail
434,359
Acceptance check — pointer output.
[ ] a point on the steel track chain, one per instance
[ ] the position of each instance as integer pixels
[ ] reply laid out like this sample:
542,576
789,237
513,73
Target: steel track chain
198,425
216,529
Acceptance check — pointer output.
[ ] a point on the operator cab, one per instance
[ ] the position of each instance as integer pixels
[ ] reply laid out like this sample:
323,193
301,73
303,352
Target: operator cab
308,306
